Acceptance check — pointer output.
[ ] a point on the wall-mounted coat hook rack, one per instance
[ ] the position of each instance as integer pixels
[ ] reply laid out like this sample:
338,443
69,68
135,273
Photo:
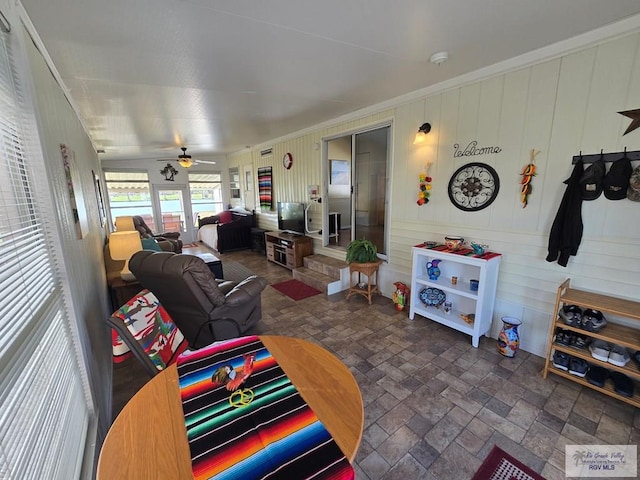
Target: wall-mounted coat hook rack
607,157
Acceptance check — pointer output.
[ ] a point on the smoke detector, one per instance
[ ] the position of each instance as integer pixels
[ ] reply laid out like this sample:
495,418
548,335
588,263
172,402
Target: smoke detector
438,58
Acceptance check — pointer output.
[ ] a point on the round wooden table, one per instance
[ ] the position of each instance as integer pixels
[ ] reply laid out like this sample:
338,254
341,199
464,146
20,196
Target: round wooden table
149,438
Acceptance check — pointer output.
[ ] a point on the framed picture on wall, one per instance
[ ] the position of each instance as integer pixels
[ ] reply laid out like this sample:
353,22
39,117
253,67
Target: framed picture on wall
339,172
99,199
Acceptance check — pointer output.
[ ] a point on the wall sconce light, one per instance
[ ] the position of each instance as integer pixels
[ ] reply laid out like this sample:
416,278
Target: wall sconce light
421,136
121,246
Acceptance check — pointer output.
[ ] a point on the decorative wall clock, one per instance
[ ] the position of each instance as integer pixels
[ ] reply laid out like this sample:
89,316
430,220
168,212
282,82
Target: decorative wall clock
287,160
474,186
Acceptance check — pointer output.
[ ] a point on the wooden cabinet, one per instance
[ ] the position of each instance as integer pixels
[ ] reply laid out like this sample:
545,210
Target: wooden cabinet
287,249
465,266
613,333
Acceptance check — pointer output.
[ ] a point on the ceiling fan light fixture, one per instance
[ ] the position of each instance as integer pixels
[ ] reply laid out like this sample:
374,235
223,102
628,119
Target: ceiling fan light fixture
185,160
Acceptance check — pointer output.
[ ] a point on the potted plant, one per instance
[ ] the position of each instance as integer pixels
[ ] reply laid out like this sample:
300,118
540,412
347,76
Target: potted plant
362,251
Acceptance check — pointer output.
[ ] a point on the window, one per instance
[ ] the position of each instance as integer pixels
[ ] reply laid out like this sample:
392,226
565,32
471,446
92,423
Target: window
130,194
45,414
234,182
206,194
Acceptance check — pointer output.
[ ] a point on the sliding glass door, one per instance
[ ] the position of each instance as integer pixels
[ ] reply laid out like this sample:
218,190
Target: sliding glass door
173,215
356,194
369,206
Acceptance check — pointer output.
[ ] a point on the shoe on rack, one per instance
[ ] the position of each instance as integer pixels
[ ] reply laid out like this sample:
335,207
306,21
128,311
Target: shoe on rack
572,315
636,358
618,356
578,366
578,341
593,320
622,384
562,337
597,375
600,349
561,360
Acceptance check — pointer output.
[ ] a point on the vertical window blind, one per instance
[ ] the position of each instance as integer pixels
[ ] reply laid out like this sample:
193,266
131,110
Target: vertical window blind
44,412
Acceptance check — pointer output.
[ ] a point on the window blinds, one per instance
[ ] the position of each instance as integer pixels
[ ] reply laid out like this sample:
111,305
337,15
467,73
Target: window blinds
44,414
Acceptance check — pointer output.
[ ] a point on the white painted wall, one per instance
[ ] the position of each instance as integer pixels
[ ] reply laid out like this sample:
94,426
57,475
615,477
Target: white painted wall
559,106
84,275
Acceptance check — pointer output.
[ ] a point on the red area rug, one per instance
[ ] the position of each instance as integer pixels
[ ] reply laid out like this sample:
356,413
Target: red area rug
499,465
190,245
295,289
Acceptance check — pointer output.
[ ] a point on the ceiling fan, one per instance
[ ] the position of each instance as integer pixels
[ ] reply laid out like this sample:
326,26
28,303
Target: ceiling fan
185,160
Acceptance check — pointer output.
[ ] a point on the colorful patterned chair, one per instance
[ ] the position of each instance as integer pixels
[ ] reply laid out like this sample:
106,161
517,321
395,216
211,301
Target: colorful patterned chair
142,327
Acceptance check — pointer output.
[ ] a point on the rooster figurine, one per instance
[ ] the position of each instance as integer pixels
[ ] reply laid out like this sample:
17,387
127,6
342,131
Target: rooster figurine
233,378
401,296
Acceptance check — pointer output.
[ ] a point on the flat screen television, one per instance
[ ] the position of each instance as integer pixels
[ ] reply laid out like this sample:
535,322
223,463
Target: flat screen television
291,217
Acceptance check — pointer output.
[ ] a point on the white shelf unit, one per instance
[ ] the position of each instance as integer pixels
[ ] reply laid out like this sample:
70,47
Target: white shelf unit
464,301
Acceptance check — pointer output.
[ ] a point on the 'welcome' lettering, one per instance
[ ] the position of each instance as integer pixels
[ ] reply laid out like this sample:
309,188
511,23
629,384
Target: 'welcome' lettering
473,150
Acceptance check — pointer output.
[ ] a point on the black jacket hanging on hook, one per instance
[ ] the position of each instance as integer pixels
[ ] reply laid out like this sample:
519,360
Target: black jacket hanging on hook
566,231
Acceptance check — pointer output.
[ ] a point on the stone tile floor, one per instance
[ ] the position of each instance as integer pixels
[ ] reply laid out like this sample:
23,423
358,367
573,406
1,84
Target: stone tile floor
434,405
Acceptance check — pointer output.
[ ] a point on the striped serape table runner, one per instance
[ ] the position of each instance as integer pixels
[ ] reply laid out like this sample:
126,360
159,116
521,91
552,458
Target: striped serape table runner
246,420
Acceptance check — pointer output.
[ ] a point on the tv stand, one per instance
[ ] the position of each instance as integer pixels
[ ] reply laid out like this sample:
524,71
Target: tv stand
287,249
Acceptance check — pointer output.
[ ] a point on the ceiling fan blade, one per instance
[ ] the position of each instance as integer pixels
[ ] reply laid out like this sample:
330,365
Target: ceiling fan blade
210,162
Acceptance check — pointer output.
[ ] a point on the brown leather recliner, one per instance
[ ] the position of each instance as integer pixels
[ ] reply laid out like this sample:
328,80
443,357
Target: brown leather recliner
168,241
204,310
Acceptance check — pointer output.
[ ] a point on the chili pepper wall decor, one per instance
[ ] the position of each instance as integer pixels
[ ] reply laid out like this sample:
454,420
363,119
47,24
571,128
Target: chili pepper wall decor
528,172
425,187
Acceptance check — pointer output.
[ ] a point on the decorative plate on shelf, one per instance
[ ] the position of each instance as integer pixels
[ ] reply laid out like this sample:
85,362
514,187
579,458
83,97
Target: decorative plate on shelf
432,297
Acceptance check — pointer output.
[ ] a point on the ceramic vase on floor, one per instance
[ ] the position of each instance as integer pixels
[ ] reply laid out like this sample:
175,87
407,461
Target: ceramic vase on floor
509,338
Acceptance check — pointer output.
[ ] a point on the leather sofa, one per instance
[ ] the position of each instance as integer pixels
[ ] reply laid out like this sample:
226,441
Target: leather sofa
204,309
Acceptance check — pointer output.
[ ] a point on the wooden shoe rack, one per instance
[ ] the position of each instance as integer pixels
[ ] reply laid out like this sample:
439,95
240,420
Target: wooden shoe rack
613,333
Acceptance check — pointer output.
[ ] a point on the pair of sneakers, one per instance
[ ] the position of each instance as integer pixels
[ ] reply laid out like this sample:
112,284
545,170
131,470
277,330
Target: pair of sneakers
574,365
622,384
613,354
589,319
570,339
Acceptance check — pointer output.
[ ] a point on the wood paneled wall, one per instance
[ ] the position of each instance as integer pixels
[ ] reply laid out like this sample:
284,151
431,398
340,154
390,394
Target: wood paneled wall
560,107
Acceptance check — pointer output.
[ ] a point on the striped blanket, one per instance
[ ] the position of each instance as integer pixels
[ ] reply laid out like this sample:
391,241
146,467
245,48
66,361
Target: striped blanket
246,420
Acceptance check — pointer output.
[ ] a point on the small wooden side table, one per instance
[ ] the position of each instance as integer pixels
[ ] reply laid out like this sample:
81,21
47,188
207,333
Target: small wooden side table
371,272
121,291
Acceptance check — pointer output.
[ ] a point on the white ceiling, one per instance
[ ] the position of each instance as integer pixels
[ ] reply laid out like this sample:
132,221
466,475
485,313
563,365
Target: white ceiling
218,75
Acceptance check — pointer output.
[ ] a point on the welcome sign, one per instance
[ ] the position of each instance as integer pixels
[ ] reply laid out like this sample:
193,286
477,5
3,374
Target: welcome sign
472,150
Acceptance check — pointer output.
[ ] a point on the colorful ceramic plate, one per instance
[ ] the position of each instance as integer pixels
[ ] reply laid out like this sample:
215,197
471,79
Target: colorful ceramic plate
432,297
